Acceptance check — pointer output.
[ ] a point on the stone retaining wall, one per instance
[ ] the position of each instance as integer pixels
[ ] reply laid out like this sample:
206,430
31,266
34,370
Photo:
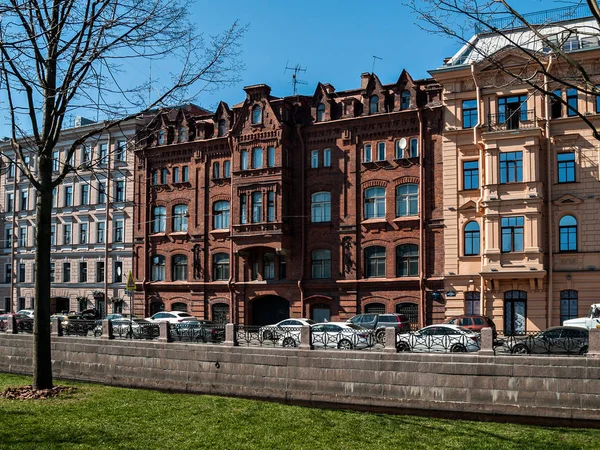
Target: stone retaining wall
547,388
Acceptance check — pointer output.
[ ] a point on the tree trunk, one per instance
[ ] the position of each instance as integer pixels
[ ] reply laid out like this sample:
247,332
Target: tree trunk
42,357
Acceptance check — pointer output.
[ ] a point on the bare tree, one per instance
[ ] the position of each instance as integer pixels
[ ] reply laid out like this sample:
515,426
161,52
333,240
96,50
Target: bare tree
61,56
547,60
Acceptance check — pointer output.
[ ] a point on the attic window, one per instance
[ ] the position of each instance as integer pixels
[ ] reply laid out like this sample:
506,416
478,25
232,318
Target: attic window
222,128
161,137
374,105
405,100
320,112
181,135
256,114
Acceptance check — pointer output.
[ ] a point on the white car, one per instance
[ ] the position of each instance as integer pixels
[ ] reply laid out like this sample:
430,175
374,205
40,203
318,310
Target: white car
26,312
288,328
439,338
341,335
171,317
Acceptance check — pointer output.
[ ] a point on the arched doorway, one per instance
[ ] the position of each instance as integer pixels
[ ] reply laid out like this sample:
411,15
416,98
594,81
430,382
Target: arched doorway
179,306
220,313
156,307
269,310
409,309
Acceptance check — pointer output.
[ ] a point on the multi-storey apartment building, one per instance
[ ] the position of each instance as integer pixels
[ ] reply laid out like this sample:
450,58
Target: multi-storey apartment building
318,206
521,180
91,224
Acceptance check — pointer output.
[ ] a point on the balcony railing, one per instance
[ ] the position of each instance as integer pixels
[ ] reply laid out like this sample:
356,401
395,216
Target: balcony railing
515,120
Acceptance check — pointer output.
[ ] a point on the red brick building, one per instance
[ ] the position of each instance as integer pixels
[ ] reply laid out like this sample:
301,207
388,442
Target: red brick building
321,207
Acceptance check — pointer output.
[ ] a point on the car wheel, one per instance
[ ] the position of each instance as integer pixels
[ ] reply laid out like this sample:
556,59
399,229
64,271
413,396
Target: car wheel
267,335
289,342
520,349
583,350
345,344
458,348
380,336
402,347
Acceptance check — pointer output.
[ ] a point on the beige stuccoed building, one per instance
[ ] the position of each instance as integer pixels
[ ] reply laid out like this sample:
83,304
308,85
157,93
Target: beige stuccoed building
521,183
92,223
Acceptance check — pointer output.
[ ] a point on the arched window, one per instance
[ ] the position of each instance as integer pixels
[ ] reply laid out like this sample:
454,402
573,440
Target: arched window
375,308
411,310
158,268
321,264
220,313
320,112
159,219
407,260
180,218
179,268
375,262
407,200
405,100
568,305
567,228
221,266
373,104
472,238
181,136
221,215
375,203
221,128
179,306
216,170
321,207
256,114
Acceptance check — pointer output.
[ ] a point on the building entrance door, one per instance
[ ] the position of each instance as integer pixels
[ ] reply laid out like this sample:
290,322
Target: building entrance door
515,312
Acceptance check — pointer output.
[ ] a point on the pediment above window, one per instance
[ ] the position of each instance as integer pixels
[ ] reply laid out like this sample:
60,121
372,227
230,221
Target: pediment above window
568,199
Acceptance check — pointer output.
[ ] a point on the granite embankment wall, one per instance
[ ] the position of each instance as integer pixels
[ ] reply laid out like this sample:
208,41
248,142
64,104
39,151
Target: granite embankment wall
558,389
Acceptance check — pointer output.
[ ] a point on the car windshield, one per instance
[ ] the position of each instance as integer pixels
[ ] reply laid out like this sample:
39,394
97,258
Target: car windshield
184,315
310,321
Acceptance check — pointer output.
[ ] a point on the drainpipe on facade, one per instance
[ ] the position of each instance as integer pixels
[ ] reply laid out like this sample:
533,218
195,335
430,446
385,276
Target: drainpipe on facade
105,227
146,225
303,218
13,273
549,200
232,308
481,149
423,314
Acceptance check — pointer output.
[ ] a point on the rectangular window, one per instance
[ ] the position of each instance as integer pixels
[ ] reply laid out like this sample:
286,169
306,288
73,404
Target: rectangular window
120,151
118,272
85,194
67,234
184,174
10,202
164,174
572,102
512,234
8,238
270,206
55,161
566,167
257,212
227,169
11,170
66,272
83,272
100,226
21,272
175,174
101,193
154,177
243,208
53,235
7,273
314,159
368,156
100,272
85,154
381,151
23,236
118,231
327,157
511,167
470,175
52,269
555,104
68,196
414,148
472,303
55,198
244,160
257,158
102,150
24,201
270,157
83,233
119,191
469,113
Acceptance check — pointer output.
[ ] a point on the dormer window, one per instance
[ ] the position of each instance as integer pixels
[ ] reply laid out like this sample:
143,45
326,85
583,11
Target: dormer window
374,105
320,112
256,115
181,135
222,128
405,100
161,137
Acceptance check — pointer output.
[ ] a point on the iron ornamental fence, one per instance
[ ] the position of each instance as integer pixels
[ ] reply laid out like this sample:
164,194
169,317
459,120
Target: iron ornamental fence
78,327
268,336
453,343
191,332
554,341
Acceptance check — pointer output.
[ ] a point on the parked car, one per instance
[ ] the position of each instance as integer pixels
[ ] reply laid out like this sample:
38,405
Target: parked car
171,317
115,316
91,314
439,338
121,326
23,322
342,335
554,340
287,327
473,322
26,312
199,330
65,318
592,320
379,322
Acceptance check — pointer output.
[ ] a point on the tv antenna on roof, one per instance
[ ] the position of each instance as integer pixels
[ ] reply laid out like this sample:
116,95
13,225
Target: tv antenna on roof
295,81
374,59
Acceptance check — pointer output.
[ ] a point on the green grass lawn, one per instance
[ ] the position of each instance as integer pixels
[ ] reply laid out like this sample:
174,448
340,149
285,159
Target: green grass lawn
101,417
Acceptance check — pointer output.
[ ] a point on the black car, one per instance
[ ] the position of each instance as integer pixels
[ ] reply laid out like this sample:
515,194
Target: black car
555,340
380,322
198,330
